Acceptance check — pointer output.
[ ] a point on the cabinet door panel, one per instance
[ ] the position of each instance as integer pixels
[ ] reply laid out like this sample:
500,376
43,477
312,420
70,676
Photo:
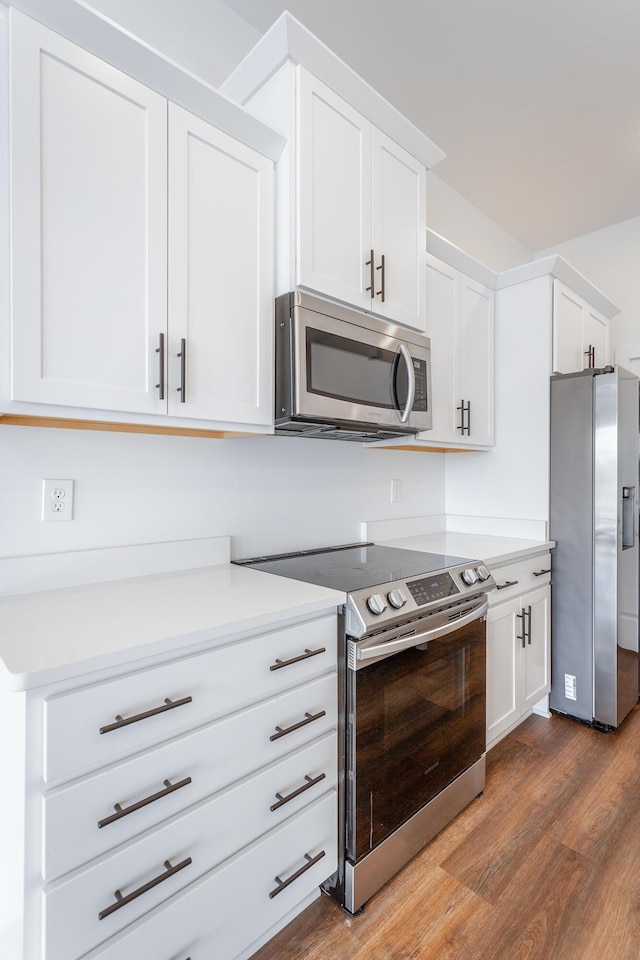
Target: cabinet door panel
568,310
220,274
503,668
535,661
399,231
477,359
443,310
334,194
89,227
595,333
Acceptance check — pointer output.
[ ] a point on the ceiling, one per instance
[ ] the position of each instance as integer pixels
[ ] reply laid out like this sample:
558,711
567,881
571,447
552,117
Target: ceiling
535,102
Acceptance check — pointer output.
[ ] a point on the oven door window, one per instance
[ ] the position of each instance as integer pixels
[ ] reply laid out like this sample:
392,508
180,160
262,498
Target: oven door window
419,722
353,371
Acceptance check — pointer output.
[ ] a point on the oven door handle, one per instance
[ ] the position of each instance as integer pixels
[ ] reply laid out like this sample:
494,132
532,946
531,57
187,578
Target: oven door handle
405,643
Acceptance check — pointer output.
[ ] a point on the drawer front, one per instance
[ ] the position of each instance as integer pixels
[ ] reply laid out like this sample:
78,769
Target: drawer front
212,757
82,730
228,909
513,579
201,838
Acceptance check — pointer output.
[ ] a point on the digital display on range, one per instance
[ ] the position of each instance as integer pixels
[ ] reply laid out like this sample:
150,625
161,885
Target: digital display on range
432,588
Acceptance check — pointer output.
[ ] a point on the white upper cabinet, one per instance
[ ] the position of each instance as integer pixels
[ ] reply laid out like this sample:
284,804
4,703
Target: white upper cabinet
89,227
220,275
461,328
136,226
580,332
361,209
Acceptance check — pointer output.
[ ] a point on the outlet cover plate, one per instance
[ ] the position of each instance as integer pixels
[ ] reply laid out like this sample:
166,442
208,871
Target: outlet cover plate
57,500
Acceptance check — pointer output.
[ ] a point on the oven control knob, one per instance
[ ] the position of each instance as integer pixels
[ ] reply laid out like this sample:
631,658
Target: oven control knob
482,572
469,577
376,604
396,598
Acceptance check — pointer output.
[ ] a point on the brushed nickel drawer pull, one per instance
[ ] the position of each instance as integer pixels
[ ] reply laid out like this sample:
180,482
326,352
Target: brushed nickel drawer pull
541,573
310,782
380,293
182,389
294,876
507,583
124,722
160,350
303,656
371,287
125,811
121,901
309,718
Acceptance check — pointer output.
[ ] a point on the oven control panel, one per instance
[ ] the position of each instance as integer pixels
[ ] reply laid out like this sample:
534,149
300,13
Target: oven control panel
432,588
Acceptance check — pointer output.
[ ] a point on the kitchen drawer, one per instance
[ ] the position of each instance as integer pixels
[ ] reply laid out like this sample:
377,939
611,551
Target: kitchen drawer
82,730
228,909
513,579
213,756
206,835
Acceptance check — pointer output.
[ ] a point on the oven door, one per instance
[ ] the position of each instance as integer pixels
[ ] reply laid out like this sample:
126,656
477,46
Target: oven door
351,373
415,721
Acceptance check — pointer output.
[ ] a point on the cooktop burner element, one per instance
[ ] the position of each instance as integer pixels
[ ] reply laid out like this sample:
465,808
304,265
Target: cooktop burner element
385,585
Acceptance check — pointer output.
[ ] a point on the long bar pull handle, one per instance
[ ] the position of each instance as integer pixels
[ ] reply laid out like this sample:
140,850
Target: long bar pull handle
125,721
380,293
468,428
522,616
121,901
507,583
282,884
372,279
160,351
460,427
309,782
528,622
541,573
411,382
308,718
182,389
628,512
279,664
139,804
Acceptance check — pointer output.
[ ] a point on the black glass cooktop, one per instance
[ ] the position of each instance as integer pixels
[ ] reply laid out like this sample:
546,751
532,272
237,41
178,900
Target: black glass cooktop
354,566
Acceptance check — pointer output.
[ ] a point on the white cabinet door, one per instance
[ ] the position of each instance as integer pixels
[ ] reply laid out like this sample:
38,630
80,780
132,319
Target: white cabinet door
536,677
399,224
503,668
476,360
567,330
443,316
89,227
220,275
595,337
334,194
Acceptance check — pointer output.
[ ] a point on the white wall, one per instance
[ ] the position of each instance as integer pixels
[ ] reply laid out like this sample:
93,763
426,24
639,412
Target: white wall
270,494
610,258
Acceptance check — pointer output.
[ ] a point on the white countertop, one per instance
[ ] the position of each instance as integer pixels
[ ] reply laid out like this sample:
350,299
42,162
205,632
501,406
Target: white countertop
60,634
491,550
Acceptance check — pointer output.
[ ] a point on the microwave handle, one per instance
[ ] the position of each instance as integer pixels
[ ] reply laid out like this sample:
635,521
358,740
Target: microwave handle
411,377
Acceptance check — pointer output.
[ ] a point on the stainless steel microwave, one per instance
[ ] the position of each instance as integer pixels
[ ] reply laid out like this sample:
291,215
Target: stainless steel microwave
342,374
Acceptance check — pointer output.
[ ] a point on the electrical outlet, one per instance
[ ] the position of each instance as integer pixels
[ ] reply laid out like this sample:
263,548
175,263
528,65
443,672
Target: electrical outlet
57,500
396,491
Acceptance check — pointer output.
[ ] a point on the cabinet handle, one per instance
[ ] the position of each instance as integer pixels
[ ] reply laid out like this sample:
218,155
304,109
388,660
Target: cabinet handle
521,616
591,354
468,418
160,350
541,573
294,876
121,901
527,614
380,293
461,425
310,782
464,408
124,722
182,389
308,718
507,583
371,287
125,811
279,664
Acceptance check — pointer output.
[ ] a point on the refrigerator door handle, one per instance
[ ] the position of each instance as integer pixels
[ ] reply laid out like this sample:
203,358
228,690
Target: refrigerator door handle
628,517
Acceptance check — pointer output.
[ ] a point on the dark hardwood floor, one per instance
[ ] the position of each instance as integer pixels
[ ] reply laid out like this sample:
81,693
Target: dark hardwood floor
544,866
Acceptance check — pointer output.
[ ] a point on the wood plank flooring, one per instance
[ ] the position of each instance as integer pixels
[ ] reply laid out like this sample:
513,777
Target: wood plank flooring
544,866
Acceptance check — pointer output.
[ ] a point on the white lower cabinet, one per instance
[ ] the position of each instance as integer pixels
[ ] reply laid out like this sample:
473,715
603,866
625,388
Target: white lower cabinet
197,843
518,644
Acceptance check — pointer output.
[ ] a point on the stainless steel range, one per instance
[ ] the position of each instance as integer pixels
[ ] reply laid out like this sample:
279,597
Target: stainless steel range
412,699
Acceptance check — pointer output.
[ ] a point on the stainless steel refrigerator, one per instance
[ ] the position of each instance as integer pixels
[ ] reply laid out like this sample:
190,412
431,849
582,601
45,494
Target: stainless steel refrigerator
594,519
